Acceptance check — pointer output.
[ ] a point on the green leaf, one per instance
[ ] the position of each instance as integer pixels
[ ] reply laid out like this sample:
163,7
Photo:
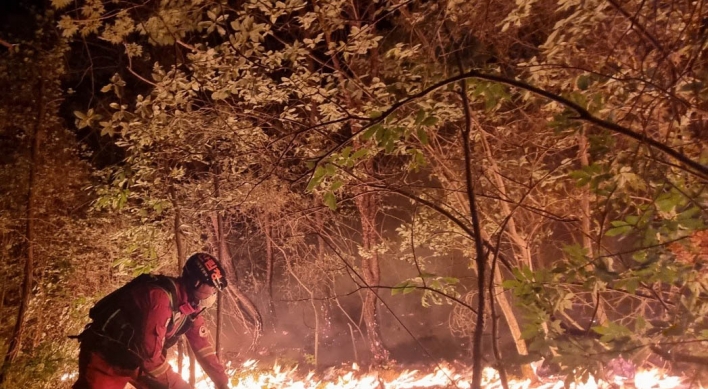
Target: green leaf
576,253
451,280
501,91
330,200
579,99
600,330
640,256
404,287
561,122
330,169
667,204
510,284
346,151
396,290
336,185
316,178
640,324
359,153
430,121
583,82
490,103
419,116
630,284
422,135
529,332
371,131
623,230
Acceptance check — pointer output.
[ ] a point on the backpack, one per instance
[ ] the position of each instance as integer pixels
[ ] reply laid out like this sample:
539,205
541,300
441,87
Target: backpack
104,311
111,330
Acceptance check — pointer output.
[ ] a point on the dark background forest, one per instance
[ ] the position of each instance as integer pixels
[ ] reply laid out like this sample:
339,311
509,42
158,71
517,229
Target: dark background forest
387,182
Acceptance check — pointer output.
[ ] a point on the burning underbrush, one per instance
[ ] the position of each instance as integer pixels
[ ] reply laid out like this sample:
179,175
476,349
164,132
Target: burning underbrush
249,375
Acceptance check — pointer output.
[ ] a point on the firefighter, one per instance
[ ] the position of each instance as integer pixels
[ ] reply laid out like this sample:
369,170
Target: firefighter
133,327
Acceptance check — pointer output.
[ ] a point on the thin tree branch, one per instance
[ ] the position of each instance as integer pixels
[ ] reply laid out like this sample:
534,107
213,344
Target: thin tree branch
696,168
7,44
584,115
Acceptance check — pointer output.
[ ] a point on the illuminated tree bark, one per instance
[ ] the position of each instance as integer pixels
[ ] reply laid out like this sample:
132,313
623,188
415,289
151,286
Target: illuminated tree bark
266,226
221,248
522,253
480,259
366,205
179,245
446,175
219,243
586,229
35,159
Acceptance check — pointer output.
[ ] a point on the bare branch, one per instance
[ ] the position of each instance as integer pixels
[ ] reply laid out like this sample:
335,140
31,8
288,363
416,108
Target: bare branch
7,44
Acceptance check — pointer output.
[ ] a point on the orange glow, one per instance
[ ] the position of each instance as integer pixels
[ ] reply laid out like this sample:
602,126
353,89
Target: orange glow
249,376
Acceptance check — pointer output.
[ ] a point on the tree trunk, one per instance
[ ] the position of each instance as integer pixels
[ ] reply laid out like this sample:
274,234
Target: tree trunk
520,243
493,290
522,252
480,258
309,291
313,118
242,303
586,228
511,322
269,260
221,253
36,139
325,306
446,177
366,205
179,245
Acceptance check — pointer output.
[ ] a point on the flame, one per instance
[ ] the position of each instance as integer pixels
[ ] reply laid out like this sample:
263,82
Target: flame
69,376
249,376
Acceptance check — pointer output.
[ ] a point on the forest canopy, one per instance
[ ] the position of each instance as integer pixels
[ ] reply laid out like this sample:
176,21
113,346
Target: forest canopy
523,180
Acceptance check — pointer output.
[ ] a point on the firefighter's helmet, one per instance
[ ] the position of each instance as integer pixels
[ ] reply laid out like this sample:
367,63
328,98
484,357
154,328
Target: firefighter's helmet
203,268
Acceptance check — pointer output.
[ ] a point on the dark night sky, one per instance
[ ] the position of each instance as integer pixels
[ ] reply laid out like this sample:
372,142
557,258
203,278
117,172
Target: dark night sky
16,20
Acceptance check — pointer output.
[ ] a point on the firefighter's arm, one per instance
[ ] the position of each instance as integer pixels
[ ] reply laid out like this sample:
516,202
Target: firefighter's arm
157,373
201,343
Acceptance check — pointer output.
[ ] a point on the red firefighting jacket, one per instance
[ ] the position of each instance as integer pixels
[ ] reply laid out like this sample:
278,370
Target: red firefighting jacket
157,317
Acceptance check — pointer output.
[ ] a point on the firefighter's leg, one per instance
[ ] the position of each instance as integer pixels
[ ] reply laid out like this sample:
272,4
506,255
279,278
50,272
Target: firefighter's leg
96,373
